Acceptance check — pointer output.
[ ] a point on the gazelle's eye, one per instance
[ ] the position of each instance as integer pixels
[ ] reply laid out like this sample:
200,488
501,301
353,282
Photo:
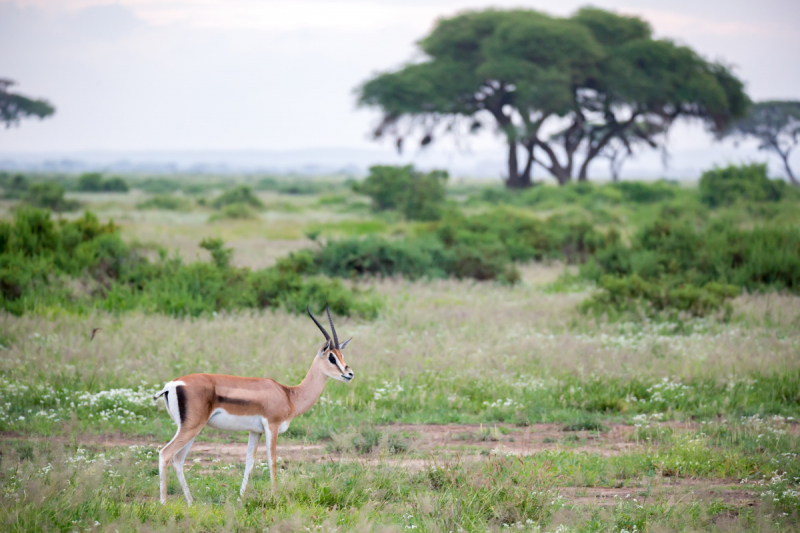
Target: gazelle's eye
331,359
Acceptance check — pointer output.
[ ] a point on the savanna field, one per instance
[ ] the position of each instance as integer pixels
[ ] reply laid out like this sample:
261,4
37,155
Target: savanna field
616,357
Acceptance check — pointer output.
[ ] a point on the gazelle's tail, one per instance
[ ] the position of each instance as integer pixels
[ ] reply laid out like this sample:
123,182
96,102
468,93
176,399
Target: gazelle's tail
161,393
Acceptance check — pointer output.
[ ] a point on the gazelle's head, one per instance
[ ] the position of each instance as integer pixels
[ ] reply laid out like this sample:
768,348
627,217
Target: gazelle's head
333,364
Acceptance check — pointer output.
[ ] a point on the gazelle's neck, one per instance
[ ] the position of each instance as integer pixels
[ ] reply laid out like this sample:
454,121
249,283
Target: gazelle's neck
305,395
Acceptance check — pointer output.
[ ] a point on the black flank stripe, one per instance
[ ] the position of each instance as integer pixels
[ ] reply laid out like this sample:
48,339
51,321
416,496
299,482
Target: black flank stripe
234,401
166,399
181,402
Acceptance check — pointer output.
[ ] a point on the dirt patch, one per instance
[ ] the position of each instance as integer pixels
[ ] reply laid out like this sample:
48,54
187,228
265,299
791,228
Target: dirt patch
464,441
507,439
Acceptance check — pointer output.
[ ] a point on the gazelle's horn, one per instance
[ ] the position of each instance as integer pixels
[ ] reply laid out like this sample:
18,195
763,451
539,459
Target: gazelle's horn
327,337
333,329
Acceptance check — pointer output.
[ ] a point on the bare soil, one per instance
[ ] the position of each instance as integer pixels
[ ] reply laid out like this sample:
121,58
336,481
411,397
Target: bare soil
464,443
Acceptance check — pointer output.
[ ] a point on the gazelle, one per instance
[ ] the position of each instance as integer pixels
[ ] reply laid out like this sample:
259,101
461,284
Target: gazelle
257,405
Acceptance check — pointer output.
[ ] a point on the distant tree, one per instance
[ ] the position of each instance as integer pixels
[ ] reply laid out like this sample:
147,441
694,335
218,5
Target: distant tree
14,107
525,72
776,125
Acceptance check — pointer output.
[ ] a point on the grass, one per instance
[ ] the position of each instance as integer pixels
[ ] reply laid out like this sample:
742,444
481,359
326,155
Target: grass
476,407
423,362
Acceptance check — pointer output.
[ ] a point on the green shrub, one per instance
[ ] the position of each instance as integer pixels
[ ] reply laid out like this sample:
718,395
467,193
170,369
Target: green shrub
726,186
412,258
50,196
82,264
166,202
418,196
267,184
220,255
481,247
672,264
94,182
241,194
632,293
301,187
646,193
235,211
522,237
14,186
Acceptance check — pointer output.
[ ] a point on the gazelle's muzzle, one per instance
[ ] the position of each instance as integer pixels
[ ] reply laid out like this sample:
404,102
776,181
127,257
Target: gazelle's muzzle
348,374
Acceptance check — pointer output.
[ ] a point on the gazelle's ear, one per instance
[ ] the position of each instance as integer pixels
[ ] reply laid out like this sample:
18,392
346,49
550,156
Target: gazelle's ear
325,349
343,345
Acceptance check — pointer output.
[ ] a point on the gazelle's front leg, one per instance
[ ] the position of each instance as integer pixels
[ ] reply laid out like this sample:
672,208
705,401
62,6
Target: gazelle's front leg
271,432
273,456
252,444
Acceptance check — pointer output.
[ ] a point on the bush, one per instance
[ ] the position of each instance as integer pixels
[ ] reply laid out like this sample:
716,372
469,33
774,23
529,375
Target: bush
235,211
241,194
632,293
50,196
523,237
646,193
82,264
15,186
166,203
481,247
672,264
726,186
301,187
94,182
418,196
413,259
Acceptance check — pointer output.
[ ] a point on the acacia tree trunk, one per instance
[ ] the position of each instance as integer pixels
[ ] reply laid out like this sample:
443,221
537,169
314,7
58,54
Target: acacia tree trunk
561,174
789,172
517,179
527,172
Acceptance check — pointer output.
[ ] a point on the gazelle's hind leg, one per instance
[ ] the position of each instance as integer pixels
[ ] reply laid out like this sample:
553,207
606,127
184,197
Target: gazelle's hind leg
252,444
177,462
182,438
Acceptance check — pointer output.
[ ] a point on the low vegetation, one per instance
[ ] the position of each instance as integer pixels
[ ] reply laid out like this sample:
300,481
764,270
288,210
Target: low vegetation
732,184
83,264
95,182
166,202
476,406
240,195
416,195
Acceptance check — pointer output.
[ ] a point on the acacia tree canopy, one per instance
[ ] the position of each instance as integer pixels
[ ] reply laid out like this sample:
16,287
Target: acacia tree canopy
564,87
14,107
776,125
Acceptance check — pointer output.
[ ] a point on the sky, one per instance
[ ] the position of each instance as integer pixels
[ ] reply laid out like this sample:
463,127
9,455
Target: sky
198,75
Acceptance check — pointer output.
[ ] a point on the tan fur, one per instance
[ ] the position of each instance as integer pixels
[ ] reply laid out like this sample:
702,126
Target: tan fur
242,396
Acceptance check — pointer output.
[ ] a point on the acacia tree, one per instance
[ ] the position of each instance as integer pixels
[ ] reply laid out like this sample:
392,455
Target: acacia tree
14,107
591,78
776,125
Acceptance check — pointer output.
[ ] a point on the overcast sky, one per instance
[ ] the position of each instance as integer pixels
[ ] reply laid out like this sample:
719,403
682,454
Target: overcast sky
280,75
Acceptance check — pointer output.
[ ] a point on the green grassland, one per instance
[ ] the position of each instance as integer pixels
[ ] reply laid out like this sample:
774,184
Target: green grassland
476,405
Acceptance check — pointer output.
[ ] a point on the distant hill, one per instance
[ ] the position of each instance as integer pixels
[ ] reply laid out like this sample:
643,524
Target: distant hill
487,164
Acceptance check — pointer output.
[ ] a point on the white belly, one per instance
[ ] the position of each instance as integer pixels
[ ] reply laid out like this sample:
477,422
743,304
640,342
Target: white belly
220,419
